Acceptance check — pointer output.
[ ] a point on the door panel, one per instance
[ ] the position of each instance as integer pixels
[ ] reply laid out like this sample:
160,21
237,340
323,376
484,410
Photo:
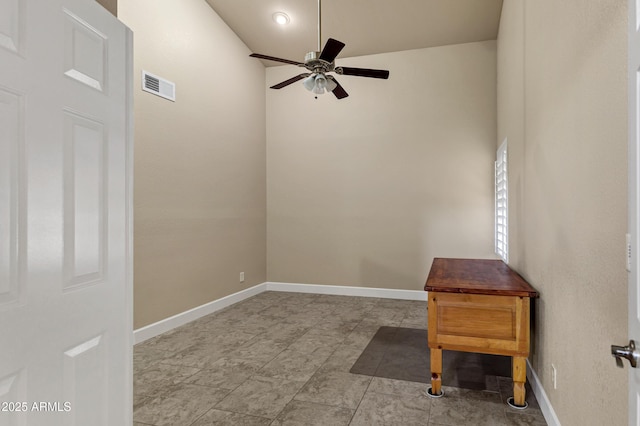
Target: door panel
85,181
85,382
11,24
65,214
10,196
84,52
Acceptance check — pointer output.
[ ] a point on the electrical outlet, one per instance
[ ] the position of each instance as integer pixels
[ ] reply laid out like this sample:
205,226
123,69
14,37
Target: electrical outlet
554,376
241,277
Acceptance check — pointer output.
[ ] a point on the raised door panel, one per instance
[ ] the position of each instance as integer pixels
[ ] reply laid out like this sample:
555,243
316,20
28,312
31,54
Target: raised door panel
13,396
85,52
85,183
85,382
12,25
11,197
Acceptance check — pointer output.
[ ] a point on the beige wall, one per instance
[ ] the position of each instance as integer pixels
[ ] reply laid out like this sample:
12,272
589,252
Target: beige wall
365,191
110,5
199,203
562,106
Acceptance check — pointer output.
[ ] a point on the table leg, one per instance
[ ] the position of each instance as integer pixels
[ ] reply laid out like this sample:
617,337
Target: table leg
436,372
519,379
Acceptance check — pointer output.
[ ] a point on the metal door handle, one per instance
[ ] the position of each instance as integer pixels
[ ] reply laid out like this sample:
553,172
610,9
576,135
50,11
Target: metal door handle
627,352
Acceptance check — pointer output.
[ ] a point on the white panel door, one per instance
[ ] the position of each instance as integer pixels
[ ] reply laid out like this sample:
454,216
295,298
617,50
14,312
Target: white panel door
65,215
634,203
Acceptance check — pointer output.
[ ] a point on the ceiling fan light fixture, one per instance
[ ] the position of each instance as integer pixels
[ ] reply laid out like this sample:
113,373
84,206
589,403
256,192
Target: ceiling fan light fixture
318,83
309,83
281,18
321,81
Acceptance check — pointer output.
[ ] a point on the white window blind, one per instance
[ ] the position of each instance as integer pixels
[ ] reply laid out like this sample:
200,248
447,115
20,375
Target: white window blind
502,226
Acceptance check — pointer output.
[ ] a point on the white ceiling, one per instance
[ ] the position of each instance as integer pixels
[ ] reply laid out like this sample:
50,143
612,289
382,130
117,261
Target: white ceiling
365,26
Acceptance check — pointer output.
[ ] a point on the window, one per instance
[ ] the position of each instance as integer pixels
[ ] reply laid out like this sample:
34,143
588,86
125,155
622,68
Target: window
501,226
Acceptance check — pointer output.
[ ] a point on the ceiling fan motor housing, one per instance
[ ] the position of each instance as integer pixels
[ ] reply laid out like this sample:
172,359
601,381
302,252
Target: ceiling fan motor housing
313,63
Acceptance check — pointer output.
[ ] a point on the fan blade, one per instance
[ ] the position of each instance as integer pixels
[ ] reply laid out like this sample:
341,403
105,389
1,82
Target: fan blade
331,50
290,81
273,58
339,91
363,72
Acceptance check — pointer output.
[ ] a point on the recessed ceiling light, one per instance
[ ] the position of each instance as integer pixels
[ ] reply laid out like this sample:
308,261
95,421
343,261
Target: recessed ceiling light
281,18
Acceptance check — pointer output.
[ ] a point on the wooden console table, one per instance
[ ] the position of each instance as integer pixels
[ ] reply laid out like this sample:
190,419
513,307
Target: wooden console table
478,306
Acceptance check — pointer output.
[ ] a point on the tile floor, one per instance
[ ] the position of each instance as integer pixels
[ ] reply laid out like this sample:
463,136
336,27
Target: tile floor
284,359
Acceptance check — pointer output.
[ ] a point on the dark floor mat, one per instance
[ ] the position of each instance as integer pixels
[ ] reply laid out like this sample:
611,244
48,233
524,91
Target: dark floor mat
403,354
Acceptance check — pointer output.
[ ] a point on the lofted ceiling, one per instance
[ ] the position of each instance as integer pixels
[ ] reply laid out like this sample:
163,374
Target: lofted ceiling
365,26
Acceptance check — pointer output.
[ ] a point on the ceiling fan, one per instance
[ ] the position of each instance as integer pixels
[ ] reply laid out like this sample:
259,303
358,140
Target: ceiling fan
320,63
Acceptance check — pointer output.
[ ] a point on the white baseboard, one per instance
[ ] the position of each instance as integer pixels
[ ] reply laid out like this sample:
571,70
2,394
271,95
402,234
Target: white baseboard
543,400
385,293
157,328
167,324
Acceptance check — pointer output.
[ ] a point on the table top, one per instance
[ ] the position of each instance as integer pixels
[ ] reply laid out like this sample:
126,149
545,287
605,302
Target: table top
476,276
